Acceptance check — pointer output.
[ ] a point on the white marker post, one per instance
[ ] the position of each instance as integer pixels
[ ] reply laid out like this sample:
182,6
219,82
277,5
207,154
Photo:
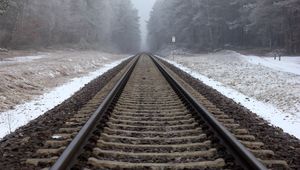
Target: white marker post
173,44
173,39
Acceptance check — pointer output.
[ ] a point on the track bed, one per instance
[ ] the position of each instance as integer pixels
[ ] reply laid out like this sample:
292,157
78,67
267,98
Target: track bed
150,125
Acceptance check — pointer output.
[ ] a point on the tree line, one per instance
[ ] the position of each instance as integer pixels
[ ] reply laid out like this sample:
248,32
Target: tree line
3,6
213,24
106,24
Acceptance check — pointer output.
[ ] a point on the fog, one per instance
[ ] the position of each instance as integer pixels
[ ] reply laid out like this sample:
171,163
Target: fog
144,8
204,26
106,25
122,25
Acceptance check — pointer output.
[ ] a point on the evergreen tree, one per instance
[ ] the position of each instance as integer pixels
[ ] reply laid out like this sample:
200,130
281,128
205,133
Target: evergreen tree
213,24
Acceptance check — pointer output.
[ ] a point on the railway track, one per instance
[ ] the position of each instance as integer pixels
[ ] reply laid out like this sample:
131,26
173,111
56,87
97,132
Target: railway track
152,119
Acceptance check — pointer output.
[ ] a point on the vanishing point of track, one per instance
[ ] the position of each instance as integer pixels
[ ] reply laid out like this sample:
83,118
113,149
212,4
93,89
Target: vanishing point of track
151,119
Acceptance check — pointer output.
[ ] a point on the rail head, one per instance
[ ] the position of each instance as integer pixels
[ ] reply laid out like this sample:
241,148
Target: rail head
66,160
239,151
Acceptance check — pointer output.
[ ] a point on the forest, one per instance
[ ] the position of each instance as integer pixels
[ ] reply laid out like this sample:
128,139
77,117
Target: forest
205,25
199,25
101,24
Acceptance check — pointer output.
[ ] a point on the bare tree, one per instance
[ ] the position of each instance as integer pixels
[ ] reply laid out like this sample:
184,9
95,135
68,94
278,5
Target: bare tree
75,23
3,6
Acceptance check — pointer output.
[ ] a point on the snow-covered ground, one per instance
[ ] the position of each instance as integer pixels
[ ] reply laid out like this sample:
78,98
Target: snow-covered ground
21,59
31,85
24,77
267,87
285,64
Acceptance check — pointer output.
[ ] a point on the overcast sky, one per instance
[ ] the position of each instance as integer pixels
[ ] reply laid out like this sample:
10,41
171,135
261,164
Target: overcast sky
144,7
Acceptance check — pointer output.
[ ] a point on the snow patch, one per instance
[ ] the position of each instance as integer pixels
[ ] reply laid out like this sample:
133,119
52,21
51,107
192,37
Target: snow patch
26,58
104,58
56,137
22,114
289,123
21,59
286,64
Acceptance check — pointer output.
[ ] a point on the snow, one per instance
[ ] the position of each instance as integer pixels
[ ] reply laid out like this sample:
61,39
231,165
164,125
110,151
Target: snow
21,59
22,114
287,64
56,137
23,81
285,116
26,58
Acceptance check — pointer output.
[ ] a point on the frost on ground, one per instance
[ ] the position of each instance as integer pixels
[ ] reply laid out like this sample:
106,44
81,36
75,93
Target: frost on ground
269,88
24,77
31,85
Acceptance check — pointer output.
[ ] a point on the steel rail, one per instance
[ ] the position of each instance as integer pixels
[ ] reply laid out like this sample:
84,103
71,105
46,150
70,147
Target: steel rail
246,159
67,159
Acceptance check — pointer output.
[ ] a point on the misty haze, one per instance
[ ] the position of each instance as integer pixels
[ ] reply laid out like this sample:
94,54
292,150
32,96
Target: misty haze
149,84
